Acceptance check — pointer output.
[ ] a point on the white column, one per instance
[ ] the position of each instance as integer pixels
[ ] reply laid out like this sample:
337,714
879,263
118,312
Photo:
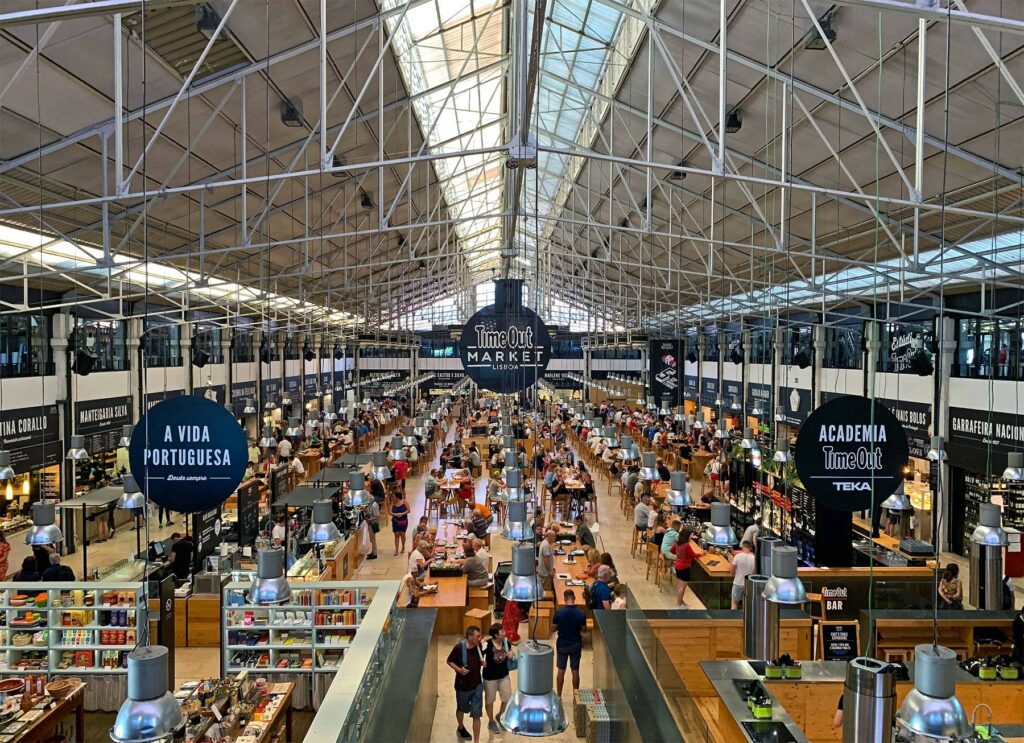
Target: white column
135,367
940,425
820,339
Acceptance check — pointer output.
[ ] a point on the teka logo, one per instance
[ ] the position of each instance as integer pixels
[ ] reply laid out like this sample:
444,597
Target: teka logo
847,487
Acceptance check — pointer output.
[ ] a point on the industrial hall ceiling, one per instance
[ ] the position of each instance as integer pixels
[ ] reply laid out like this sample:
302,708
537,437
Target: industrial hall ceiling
354,165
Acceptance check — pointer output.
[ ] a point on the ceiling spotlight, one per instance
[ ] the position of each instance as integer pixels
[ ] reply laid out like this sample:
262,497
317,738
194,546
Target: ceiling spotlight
339,354
85,361
801,358
200,358
691,357
815,40
365,200
77,451
733,121
265,351
736,355
308,353
678,175
338,161
291,112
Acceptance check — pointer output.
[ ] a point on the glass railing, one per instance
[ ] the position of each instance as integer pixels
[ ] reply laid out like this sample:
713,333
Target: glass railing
684,707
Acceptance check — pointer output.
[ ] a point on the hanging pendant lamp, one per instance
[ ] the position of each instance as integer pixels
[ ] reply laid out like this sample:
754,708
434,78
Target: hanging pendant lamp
410,436
77,451
294,429
898,500
719,532
535,710
1014,466
132,495
250,407
679,490
524,583
268,441
396,453
150,712
649,468
43,531
936,452
783,587
269,586
516,528
322,528
931,709
6,471
126,435
357,495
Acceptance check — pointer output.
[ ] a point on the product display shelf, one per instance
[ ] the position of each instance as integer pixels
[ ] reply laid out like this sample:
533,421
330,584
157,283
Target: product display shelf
979,489
69,628
310,634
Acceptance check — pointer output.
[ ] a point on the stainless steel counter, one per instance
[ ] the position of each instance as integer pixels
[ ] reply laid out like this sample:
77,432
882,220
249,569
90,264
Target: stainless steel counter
722,674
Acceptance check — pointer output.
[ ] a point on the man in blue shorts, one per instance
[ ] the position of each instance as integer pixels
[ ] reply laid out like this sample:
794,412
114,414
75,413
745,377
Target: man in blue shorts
467,660
571,623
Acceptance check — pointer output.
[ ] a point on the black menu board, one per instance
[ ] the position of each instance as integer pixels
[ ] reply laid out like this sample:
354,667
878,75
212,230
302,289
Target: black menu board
206,528
280,483
100,421
248,512
839,640
32,436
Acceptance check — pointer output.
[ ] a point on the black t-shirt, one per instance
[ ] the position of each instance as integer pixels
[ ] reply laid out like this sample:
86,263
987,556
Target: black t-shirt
181,557
497,661
471,660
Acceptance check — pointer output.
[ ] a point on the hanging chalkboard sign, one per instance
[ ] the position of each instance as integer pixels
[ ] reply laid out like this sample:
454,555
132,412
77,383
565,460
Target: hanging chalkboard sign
280,482
839,640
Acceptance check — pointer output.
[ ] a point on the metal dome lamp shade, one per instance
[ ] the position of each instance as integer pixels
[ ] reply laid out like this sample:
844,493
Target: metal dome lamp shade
269,405
640,401
665,410
508,446
516,529
286,400
381,471
250,408
931,710
534,709
294,429
1014,466
268,441
511,465
513,487
6,471
897,501
329,415
396,453
678,490
410,437
780,414
126,435
150,713
722,433
649,469
680,414
757,411
781,454
748,442
719,533
937,452
269,586
735,405
420,428
651,405
77,451
43,530
611,435
628,450
132,497
783,587
698,421
322,528
357,495
989,532
719,402
524,583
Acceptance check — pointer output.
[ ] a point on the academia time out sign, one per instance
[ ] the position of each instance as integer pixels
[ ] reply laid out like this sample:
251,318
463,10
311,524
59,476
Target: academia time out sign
505,346
188,454
850,453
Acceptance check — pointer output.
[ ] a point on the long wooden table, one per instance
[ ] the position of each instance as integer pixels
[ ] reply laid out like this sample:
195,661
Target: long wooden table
451,601
46,724
561,585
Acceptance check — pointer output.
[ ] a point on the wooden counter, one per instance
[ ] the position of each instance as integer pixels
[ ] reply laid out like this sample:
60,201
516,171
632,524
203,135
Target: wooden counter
582,565
721,569
311,461
203,621
450,600
45,726
897,633
688,641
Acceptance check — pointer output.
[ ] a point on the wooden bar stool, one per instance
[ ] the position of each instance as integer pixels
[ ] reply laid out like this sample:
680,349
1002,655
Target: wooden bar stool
653,559
639,541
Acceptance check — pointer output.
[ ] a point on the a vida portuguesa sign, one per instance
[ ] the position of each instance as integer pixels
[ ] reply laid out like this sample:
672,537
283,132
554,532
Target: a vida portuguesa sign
850,453
188,454
505,346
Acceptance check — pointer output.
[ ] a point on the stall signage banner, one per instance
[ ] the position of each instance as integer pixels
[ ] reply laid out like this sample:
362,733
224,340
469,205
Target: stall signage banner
691,385
152,398
708,392
309,385
188,454
505,347
100,422
851,452
32,436
339,381
270,391
974,433
292,385
213,392
836,603
916,418
664,358
839,640
327,382
240,392
732,390
760,394
796,404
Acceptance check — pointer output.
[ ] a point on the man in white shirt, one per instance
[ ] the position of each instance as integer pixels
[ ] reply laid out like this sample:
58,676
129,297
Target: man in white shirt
284,447
642,512
743,564
277,534
296,468
752,532
546,560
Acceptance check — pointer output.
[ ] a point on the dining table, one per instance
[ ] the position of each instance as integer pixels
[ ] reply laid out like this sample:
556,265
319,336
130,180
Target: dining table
580,565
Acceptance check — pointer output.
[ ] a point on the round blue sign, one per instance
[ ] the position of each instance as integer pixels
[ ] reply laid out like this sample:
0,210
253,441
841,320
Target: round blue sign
188,454
505,351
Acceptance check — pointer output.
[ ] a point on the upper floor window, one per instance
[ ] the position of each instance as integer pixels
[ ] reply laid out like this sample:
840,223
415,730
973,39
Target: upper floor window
797,349
844,347
898,341
989,348
761,351
241,348
104,341
161,345
25,346
207,340
711,346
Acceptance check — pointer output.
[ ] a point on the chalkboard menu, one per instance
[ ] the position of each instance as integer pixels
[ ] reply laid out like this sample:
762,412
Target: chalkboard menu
280,483
839,640
100,422
48,489
206,528
248,512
